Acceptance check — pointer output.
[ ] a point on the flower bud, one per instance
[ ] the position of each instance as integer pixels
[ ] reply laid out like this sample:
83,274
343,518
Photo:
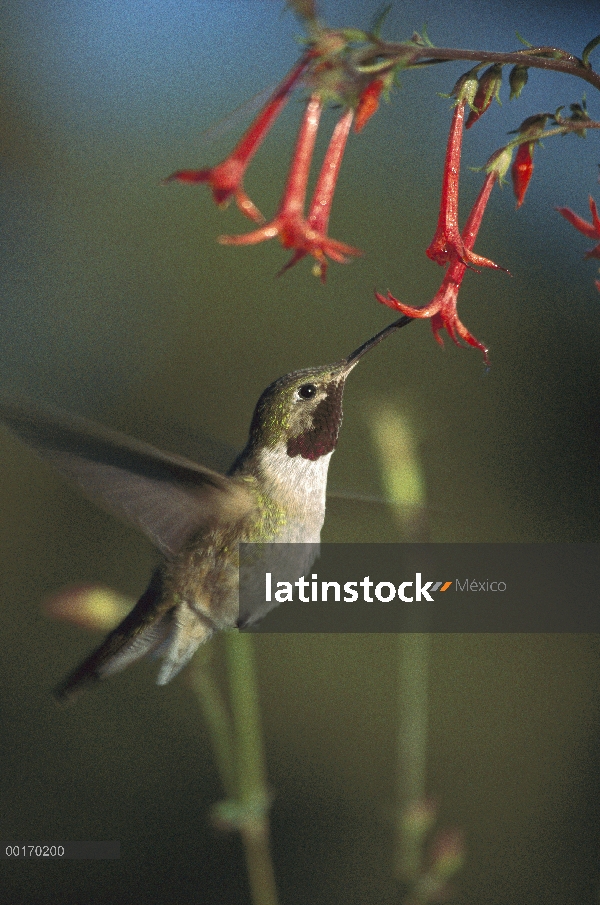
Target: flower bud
517,80
368,103
522,170
533,126
488,88
499,162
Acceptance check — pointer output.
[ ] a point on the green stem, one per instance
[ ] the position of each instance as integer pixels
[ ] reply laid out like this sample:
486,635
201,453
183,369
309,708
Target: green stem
404,485
261,876
413,720
252,791
218,724
245,711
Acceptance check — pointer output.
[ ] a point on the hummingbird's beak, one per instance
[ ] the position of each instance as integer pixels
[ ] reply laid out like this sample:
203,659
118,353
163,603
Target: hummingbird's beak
355,356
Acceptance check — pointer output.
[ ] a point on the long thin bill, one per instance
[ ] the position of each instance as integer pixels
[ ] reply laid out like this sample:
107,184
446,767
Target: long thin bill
391,328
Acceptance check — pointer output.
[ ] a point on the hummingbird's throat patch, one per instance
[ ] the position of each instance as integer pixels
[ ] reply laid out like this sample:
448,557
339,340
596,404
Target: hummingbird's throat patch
321,438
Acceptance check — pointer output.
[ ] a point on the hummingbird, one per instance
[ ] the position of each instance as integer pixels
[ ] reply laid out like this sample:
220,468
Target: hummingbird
196,517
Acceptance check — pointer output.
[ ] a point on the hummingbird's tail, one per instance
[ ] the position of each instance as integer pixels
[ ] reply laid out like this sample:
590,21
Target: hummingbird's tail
186,630
137,634
174,637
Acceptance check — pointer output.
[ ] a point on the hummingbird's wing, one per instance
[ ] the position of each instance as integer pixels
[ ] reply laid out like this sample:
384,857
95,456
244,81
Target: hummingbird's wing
168,497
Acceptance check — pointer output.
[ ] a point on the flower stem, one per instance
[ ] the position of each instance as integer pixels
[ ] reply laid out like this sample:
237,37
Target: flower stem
258,863
413,721
548,58
252,791
218,724
405,488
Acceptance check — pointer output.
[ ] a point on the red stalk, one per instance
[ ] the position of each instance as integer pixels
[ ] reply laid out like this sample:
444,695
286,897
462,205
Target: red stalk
320,206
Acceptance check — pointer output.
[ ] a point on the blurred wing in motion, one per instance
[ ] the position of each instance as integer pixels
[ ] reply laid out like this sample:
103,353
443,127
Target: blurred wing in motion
168,497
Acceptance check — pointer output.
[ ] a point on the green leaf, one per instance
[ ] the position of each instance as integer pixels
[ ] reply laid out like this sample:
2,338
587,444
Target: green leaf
425,36
379,19
522,40
588,49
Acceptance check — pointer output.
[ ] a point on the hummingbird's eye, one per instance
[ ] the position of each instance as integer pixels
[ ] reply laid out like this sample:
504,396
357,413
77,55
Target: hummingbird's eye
307,390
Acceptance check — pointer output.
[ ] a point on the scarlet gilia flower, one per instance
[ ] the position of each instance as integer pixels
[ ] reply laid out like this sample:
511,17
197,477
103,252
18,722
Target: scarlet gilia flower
226,178
591,230
448,245
320,206
522,170
307,235
368,103
488,89
442,309
530,131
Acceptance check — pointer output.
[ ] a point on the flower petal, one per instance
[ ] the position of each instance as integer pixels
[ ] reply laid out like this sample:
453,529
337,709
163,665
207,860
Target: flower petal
425,311
588,229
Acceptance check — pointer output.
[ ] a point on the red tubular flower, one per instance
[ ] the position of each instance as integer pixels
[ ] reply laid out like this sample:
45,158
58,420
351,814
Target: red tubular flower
306,236
368,103
522,170
448,244
442,309
487,89
320,206
226,178
591,230
529,133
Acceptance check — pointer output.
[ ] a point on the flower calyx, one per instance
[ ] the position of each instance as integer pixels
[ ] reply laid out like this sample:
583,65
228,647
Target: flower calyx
517,79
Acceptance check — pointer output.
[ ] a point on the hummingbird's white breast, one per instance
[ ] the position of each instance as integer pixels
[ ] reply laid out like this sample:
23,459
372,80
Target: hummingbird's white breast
299,486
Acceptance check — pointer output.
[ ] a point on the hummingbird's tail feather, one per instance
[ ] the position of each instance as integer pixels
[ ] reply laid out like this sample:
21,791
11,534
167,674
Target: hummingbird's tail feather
144,643
109,659
138,634
188,631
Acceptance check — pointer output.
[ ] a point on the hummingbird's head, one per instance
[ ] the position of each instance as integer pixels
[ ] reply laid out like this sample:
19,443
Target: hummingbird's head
303,410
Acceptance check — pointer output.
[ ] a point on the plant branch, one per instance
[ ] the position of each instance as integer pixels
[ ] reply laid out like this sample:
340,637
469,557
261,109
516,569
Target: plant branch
548,58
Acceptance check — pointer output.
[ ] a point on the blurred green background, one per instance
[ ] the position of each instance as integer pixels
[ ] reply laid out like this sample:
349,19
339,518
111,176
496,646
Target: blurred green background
117,303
